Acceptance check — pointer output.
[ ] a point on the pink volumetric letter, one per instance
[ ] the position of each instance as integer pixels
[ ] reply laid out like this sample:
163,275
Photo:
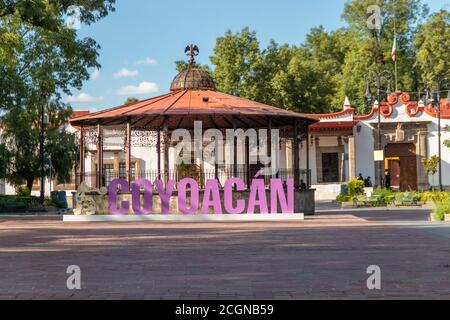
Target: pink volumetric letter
112,190
258,189
148,197
211,189
165,194
182,195
228,197
278,196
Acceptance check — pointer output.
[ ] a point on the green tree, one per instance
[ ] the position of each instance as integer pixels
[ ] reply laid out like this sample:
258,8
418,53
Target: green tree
316,75
294,78
20,158
431,165
44,60
39,51
235,58
181,65
433,48
371,48
49,14
328,50
130,100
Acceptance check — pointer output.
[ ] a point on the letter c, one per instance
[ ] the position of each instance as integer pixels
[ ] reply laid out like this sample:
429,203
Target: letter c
112,190
228,196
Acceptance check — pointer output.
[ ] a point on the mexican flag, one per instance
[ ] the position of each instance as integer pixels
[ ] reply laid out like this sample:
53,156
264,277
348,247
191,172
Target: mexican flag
394,50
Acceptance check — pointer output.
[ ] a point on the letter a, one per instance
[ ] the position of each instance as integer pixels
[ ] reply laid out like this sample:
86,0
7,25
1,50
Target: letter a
374,281
74,281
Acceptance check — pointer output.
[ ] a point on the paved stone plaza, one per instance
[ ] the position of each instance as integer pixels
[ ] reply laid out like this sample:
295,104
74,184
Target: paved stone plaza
324,257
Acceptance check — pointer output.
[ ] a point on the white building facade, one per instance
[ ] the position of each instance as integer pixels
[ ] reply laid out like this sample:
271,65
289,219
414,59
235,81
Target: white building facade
341,146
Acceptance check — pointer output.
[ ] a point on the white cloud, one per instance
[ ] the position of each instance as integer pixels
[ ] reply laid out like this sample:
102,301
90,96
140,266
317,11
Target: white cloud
142,88
125,73
83,97
95,75
147,61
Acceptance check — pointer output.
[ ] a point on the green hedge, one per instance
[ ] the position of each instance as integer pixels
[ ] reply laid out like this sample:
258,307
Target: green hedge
17,202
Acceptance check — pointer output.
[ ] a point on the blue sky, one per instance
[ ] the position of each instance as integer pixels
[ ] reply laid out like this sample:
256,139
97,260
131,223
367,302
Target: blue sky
142,39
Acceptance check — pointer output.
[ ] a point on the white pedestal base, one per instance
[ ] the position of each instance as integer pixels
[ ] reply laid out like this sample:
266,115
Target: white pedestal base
187,218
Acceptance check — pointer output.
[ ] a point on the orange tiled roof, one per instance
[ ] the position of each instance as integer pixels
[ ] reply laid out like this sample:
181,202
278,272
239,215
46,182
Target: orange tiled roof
180,108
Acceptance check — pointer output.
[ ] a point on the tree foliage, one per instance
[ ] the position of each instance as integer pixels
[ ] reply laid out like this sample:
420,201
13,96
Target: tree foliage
431,164
130,100
316,75
433,48
41,59
48,14
20,160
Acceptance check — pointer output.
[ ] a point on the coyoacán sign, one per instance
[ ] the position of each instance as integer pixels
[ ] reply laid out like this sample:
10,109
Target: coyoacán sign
280,197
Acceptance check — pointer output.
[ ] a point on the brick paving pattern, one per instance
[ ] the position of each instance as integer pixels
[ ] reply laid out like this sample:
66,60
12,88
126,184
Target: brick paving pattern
325,257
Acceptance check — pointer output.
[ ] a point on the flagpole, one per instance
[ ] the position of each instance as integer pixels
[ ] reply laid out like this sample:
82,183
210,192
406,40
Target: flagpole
396,49
396,82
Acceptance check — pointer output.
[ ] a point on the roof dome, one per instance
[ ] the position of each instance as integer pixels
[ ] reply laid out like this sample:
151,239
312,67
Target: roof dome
193,79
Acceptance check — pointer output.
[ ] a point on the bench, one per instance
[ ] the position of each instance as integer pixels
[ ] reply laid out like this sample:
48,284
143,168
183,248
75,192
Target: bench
364,201
407,200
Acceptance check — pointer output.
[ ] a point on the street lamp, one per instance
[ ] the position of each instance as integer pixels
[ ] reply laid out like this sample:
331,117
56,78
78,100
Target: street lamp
44,122
377,78
436,102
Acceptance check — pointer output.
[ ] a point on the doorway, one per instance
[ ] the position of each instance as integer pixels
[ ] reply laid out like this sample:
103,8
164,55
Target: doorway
401,166
330,167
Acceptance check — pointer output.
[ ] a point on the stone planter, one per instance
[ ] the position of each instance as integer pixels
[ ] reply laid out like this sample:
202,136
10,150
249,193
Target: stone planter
97,204
447,218
347,205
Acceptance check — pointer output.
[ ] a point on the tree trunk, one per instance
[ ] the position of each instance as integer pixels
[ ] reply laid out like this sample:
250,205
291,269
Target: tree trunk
30,183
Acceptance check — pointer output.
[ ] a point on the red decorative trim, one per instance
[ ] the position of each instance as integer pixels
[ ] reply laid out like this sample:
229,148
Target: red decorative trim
386,110
412,109
445,109
405,98
392,100
367,116
333,125
333,115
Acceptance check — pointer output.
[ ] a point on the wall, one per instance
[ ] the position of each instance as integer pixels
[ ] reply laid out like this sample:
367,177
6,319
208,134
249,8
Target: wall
364,143
433,149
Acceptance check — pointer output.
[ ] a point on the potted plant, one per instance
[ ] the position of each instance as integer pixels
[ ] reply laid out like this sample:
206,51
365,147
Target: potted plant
442,209
430,166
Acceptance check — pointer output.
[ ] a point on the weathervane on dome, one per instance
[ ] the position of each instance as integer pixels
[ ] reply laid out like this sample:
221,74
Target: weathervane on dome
192,51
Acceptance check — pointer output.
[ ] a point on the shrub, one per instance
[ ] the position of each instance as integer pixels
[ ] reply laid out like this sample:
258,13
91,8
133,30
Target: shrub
386,196
48,202
343,198
8,202
434,196
355,188
442,203
441,210
23,191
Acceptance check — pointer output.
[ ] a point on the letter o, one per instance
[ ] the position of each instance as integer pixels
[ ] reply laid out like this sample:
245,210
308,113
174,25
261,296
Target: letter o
182,195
